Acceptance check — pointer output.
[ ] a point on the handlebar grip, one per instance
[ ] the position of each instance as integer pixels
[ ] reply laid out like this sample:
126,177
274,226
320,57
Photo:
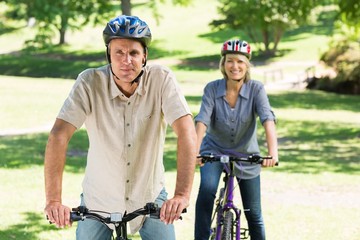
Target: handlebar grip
157,213
74,217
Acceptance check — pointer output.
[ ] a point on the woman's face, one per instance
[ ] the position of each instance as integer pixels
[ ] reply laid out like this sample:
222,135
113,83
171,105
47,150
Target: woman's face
235,67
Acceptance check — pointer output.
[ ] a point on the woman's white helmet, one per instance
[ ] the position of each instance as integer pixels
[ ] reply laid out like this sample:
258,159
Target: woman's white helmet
236,46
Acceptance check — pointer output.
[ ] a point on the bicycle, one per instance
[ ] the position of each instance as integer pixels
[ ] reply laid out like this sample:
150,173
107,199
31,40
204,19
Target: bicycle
119,220
225,208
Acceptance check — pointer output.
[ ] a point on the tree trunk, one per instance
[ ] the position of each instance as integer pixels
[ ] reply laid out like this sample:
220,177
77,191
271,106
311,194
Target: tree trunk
62,30
277,37
253,37
126,7
62,36
266,40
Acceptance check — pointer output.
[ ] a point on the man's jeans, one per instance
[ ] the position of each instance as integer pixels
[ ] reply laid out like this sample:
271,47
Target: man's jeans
251,199
152,229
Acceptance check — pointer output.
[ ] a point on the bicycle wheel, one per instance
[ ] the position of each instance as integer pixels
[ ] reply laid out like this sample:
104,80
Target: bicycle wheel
227,230
213,234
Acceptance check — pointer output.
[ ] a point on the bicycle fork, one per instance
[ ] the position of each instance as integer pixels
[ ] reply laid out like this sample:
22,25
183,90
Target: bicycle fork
228,205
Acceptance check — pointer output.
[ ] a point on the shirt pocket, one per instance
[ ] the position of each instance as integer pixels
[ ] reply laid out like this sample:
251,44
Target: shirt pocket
148,124
245,121
220,121
221,127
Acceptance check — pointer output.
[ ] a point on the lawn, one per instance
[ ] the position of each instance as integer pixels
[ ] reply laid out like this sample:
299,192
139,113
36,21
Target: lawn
317,178
313,194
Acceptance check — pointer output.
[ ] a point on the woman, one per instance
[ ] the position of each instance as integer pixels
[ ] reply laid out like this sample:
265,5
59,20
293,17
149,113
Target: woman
228,116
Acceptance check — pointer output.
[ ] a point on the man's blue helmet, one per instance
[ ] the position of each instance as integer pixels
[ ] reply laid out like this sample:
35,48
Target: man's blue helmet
129,27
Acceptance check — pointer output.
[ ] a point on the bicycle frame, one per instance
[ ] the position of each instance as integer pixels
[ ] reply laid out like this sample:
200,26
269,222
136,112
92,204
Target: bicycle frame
227,203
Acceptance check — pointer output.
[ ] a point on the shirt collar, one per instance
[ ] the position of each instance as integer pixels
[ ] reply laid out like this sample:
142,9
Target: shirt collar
245,90
221,90
115,91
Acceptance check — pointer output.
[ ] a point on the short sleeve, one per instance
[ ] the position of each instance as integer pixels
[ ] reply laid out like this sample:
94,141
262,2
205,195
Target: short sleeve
262,106
207,105
77,104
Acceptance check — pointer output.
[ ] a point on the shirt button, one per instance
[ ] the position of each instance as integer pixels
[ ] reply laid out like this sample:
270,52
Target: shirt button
129,145
128,103
128,164
127,181
128,124
127,199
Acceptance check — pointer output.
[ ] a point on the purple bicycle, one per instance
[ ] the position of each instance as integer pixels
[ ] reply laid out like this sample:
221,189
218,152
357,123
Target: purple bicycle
227,225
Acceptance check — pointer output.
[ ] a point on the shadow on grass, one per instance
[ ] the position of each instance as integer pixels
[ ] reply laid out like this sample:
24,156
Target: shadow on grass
58,62
315,100
323,26
28,150
311,99
304,146
316,147
30,228
47,65
24,151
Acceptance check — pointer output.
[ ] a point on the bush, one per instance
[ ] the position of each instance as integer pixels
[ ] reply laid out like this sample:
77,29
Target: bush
344,58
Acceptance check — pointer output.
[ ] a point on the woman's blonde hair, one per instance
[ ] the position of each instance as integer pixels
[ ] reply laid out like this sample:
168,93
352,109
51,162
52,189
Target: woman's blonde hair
242,58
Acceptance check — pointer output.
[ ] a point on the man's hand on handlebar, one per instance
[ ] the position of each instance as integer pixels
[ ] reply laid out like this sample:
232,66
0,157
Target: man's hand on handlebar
58,214
171,209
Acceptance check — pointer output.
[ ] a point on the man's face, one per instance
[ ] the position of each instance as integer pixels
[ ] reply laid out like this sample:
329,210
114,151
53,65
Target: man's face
127,57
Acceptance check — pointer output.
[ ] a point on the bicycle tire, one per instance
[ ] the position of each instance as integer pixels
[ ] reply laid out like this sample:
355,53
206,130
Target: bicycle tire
213,234
227,229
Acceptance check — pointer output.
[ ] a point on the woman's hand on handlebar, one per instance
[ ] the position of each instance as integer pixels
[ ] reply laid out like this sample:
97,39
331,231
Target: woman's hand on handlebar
270,162
58,214
199,161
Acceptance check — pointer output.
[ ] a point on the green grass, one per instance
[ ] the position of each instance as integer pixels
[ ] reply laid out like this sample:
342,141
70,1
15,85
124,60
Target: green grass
31,102
312,195
318,172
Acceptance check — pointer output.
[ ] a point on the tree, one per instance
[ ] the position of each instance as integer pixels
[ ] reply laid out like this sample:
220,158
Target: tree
64,15
59,15
264,21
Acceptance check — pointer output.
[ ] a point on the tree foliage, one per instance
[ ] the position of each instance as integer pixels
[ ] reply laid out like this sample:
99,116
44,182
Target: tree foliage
59,15
343,55
63,15
154,6
349,17
350,11
264,21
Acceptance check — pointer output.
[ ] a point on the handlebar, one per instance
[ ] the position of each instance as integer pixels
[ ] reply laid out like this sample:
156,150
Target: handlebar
252,158
81,213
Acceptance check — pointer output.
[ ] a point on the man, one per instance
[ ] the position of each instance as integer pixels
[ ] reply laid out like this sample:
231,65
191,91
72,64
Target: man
126,107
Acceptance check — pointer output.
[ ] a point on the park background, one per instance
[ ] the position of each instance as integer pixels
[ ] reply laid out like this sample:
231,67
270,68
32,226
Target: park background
315,192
